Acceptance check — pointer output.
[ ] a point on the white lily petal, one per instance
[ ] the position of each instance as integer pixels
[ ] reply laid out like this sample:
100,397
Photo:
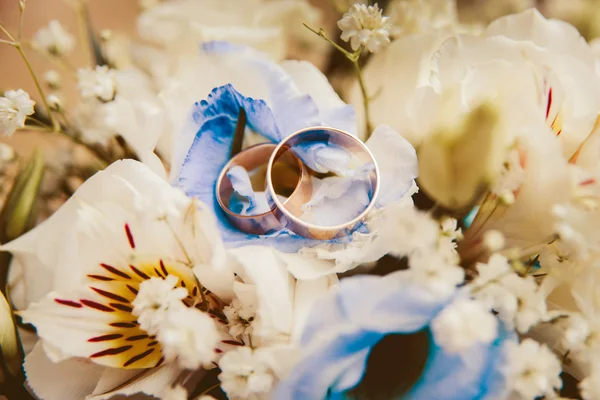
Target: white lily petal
69,379
274,287
150,382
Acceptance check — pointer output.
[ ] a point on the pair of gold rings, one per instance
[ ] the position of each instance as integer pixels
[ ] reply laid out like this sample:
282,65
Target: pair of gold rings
290,184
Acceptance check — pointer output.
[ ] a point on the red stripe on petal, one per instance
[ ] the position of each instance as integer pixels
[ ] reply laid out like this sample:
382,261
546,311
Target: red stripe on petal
105,337
68,303
97,306
111,352
129,236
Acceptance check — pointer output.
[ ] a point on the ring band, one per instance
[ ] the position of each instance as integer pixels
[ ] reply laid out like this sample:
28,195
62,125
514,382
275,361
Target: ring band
251,159
288,216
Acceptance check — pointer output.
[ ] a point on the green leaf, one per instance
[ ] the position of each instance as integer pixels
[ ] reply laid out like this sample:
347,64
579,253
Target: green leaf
10,350
18,214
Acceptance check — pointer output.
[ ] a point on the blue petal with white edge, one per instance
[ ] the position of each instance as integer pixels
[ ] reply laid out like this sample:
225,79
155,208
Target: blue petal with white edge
216,119
292,109
341,332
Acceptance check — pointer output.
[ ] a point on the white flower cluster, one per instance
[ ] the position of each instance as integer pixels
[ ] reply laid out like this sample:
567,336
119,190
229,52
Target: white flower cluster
15,106
54,39
185,333
517,300
364,26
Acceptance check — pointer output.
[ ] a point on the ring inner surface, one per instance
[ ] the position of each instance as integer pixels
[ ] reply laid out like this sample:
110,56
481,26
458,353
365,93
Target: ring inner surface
286,175
350,167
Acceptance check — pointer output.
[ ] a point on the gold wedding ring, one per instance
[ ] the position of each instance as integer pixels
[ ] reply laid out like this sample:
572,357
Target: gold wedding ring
288,214
291,178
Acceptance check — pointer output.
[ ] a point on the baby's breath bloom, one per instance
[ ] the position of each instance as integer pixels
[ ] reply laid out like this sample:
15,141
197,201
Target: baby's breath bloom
239,318
431,269
590,386
463,324
15,106
154,298
189,335
53,79
54,39
174,393
532,369
99,83
244,374
365,26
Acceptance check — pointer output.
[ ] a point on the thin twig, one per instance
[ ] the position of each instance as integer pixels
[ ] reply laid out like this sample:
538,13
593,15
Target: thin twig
55,123
7,33
363,90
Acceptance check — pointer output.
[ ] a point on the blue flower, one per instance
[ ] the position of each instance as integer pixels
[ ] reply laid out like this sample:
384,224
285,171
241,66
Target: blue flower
296,96
342,331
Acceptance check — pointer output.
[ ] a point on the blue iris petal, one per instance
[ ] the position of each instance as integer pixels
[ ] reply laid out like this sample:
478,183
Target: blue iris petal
216,119
341,332
292,110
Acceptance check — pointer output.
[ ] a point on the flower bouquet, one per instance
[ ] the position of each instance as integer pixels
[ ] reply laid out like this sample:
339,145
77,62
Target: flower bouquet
414,213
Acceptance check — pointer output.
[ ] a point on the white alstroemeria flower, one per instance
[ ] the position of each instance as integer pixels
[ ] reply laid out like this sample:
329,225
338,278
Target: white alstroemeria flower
274,27
463,324
97,83
532,370
54,39
124,230
15,106
364,26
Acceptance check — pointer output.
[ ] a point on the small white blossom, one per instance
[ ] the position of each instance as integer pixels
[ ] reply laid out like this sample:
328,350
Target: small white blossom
413,231
432,269
496,268
240,318
154,298
511,177
449,234
493,240
7,153
365,26
590,386
532,369
53,79
54,39
189,335
15,106
463,324
517,300
99,83
54,102
174,393
245,374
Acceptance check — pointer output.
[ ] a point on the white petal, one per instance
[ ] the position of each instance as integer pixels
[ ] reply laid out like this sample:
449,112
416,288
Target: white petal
150,382
69,379
274,287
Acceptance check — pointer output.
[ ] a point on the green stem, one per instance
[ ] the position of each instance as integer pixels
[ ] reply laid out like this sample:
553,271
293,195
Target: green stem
7,42
83,30
353,57
363,90
321,33
45,128
55,123
7,33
